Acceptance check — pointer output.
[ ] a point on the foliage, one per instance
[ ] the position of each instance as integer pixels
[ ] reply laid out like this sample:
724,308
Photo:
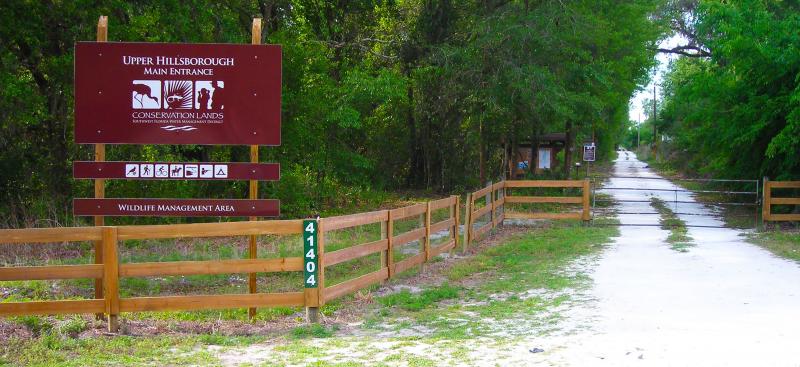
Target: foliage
377,94
737,112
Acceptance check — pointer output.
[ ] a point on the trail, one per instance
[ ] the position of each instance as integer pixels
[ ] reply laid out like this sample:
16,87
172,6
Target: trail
725,302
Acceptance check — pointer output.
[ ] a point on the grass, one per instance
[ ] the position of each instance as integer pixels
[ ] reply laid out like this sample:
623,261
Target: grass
678,234
416,302
784,244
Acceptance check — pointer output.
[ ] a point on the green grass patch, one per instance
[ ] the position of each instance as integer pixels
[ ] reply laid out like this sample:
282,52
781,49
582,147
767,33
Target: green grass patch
416,302
678,238
313,331
783,244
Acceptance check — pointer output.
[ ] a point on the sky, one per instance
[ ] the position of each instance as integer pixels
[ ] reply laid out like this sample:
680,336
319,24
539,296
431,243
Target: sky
636,113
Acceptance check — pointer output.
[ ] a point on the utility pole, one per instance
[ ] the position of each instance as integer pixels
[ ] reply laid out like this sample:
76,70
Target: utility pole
639,131
655,131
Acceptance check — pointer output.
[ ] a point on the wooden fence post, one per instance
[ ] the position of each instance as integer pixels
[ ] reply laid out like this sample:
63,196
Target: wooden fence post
315,297
111,277
253,243
385,254
428,232
390,250
490,202
467,223
586,213
456,210
766,206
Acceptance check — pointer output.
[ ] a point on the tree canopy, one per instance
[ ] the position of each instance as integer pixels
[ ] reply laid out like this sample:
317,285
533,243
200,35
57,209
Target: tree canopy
735,111
377,94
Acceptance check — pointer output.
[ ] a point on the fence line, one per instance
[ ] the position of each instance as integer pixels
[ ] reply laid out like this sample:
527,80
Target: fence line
109,270
498,195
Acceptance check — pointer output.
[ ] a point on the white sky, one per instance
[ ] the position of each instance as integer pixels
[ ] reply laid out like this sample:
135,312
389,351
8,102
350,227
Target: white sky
636,113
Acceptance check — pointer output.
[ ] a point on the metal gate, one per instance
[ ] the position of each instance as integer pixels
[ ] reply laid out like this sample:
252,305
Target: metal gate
722,193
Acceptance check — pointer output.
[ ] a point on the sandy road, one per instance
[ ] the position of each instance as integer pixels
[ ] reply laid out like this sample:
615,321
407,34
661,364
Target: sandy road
725,302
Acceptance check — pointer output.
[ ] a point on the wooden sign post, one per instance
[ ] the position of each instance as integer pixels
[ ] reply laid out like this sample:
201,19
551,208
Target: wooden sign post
100,184
253,250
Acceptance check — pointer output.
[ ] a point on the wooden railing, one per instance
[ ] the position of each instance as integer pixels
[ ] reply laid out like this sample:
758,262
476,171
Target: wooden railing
111,270
769,201
487,202
498,195
389,243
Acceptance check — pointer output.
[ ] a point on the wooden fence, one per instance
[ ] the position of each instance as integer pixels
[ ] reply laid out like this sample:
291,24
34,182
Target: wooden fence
769,201
499,195
111,270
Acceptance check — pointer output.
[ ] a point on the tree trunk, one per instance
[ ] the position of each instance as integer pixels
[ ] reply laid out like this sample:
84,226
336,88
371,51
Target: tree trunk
568,150
481,155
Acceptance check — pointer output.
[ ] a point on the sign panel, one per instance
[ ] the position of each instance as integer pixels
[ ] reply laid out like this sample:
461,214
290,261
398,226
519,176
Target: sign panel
176,171
310,253
160,93
176,207
589,152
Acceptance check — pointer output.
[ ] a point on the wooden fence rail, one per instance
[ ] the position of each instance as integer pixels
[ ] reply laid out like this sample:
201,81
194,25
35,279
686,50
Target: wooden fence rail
498,195
769,201
110,270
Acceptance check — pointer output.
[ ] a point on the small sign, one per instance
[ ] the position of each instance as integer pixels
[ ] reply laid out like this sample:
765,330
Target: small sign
220,171
147,170
131,170
589,152
176,171
310,253
161,171
190,170
176,207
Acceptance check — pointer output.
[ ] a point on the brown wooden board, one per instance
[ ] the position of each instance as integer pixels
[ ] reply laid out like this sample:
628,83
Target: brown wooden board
176,207
161,93
176,170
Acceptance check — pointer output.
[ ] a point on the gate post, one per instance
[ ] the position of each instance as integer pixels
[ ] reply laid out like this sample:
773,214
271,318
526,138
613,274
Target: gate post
766,208
586,212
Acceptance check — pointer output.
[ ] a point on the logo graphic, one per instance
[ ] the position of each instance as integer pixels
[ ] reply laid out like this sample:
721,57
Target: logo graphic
146,94
178,95
210,95
178,128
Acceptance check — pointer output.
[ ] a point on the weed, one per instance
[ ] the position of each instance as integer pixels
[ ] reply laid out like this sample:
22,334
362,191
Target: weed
313,331
415,302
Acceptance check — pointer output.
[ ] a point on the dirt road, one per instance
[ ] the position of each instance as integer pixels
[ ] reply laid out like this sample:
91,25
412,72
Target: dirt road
725,302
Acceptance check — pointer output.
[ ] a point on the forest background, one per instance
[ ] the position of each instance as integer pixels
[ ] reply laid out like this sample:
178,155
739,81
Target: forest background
384,95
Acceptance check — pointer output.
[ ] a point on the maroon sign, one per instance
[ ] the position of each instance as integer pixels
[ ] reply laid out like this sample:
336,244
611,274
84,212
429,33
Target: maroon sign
176,207
176,170
159,93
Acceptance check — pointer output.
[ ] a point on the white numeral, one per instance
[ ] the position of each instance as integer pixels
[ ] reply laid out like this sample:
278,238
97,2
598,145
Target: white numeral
311,280
310,227
310,254
310,267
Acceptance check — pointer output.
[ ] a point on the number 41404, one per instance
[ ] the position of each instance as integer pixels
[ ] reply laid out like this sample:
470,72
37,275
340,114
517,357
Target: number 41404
310,234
